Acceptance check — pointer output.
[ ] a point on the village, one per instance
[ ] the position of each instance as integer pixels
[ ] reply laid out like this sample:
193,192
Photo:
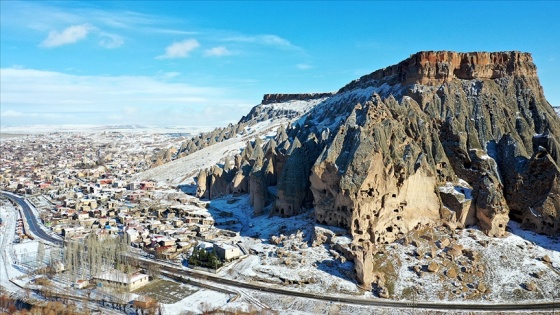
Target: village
81,185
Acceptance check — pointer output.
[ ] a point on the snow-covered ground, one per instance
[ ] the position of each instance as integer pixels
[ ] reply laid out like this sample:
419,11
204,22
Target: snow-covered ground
199,302
502,266
41,129
291,263
299,106
8,271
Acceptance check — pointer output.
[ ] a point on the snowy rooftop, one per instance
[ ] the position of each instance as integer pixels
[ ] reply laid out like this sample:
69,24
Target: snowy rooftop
118,276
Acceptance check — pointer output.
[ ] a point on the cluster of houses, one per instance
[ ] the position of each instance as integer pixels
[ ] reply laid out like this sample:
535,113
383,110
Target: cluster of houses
81,186
60,161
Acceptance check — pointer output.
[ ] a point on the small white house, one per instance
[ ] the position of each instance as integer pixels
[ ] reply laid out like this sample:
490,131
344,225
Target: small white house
118,279
227,252
80,284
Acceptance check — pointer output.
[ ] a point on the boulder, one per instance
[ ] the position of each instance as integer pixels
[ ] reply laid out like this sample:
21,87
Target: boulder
321,236
433,266
531,286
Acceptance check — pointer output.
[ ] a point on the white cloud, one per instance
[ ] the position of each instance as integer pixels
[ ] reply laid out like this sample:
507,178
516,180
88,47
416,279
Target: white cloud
168,75
275,41
171,31
217,52
129,110
265,39
46,97
42,16
110,41
69,35
180,49
303,66
12,113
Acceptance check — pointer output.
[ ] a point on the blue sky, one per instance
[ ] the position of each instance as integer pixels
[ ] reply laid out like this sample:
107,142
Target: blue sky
207,63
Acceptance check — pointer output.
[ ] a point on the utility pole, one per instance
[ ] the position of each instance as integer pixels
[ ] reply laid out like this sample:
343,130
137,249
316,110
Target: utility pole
414,297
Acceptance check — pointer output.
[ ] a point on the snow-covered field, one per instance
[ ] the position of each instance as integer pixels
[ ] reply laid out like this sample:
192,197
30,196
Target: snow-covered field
7,232
41,129
197,303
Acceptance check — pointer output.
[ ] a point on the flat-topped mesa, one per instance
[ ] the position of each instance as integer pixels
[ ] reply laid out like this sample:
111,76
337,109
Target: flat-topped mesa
282,105
438,67
280,98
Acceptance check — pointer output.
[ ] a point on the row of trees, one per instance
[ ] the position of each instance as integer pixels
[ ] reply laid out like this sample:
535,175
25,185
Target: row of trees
93,255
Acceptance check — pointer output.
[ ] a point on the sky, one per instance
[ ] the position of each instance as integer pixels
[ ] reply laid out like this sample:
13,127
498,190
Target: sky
188,63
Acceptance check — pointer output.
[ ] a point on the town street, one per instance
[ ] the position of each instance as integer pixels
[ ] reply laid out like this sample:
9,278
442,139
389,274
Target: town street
32,221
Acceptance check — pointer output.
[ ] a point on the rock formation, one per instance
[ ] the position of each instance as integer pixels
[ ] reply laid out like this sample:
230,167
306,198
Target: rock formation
278,98
459,117
442,138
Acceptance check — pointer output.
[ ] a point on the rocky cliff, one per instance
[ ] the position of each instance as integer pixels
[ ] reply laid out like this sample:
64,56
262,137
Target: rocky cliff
274,106
442,138
282,98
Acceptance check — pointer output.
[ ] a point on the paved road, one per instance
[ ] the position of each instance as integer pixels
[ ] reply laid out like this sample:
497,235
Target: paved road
32,220
356,301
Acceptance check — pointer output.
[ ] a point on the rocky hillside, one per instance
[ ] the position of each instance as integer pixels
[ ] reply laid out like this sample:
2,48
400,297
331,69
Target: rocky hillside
178,166
442,138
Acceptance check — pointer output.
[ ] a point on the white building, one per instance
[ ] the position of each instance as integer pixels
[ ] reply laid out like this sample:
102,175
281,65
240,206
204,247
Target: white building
227,252
118,279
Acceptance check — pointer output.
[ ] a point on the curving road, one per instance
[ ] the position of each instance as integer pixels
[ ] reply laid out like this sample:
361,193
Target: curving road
32,221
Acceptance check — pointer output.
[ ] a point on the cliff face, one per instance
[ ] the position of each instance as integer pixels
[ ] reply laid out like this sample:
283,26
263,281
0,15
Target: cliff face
470,139
280,98
442,138
275,106
437,67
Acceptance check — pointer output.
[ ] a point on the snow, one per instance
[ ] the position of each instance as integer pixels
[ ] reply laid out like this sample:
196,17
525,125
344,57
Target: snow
197,302
324,119
41,129
462,190
509,262
291,261
26,250
514,258
300,106
7,233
